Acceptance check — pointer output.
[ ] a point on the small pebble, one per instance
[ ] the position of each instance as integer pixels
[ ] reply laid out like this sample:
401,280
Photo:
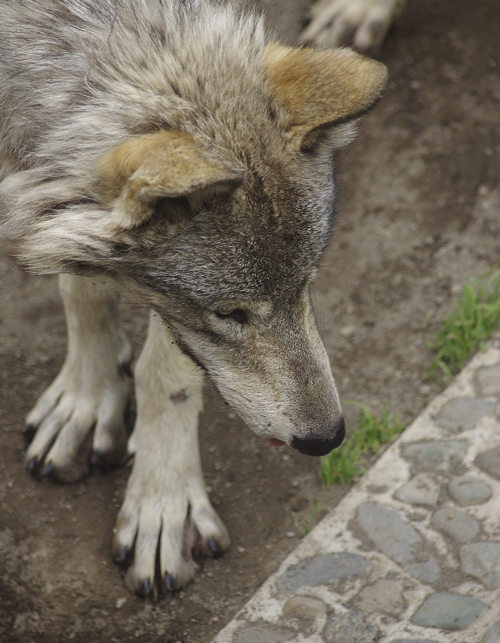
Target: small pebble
463,413
393,534
421,490
347,331
384,596
435,455
323,569
489,461
488,380
455,524
482,560
349,628
449,611
305,607
467,490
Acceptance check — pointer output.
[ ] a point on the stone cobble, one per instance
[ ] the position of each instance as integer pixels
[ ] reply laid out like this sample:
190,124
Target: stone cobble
455,524
421,490
467,490
412,552
449,611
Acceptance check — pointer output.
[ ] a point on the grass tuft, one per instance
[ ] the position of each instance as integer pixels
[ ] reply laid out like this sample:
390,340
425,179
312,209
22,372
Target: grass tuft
346,464
317,510
475,316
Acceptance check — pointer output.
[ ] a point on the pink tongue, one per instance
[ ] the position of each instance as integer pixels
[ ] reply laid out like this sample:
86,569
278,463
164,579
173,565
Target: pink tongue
275,443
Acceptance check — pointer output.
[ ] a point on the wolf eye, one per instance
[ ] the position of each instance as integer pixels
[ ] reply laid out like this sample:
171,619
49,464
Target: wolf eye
237,315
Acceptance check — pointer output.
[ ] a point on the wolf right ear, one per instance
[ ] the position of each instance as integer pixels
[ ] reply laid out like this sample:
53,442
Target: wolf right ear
162,164
322,88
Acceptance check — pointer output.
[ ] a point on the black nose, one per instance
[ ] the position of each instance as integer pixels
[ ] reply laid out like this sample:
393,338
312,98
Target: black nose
320,446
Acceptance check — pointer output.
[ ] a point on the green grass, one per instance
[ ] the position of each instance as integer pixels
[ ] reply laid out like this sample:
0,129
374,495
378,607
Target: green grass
347,463
475,316
317,509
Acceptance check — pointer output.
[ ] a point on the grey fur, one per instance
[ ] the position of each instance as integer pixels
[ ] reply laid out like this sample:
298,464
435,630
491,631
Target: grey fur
78,78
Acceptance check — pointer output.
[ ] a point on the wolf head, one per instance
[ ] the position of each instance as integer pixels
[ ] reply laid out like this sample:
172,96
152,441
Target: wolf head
233,280
218,220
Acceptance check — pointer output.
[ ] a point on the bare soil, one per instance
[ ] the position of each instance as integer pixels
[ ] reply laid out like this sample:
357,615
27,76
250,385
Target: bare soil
419,215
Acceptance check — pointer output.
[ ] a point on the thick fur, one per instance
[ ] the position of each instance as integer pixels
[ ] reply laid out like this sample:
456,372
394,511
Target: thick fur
169,150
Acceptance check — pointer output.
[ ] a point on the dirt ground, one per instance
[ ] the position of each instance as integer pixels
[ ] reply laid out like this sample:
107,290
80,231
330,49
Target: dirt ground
418,216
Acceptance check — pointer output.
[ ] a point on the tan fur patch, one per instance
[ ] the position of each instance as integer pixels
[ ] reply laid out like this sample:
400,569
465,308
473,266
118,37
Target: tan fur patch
163,164
323,87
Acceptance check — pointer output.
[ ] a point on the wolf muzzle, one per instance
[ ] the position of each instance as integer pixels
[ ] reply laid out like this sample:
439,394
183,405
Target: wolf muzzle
321,446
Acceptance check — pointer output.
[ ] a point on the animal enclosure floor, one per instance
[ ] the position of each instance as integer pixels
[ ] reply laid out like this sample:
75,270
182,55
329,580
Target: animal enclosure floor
412,552
418,215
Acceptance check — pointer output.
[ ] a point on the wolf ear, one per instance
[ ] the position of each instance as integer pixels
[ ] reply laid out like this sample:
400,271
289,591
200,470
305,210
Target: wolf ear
163,164
322,88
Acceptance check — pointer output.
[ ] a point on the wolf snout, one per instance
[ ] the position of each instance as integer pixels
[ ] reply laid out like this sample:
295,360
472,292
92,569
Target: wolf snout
321,445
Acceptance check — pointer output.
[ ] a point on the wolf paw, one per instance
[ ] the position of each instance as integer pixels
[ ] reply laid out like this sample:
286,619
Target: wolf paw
361,23
166,524
79,420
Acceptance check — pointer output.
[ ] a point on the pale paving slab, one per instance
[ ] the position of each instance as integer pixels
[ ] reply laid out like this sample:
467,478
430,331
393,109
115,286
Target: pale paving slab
358,579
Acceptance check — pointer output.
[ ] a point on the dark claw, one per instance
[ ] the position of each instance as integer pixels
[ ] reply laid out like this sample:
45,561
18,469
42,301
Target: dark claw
145,588
48,470
32,465
128,456
306,19
96,459
169,582
214,546
28,432
121,557
127,369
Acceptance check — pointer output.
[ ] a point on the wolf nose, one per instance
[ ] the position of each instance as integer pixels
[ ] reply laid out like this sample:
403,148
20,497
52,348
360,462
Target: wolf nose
320,446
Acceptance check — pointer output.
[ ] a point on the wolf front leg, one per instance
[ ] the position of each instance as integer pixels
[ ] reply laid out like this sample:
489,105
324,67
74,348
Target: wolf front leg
166,511
80,417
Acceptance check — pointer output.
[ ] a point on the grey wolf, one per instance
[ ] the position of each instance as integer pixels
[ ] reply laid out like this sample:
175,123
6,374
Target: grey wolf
173,152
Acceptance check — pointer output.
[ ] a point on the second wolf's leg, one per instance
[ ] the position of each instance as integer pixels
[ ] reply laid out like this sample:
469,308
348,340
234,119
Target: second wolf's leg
360,23
81,415
166,519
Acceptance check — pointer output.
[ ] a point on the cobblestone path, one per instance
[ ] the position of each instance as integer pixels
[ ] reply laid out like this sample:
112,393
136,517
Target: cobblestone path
412,553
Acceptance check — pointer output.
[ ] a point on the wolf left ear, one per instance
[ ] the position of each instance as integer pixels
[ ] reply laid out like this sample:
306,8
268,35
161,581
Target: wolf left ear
162,164
322,88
